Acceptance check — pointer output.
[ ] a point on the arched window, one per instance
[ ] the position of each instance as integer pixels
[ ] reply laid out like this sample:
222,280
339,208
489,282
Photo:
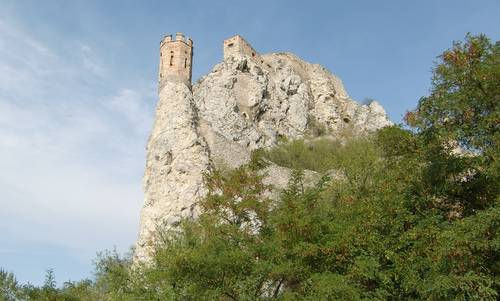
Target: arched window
171,60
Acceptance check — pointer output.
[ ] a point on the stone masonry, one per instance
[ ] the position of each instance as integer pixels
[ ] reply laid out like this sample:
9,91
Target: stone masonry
176,57
238,46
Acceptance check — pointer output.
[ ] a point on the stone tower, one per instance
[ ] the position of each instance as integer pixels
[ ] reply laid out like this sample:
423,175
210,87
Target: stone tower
176,57
238,46
177,155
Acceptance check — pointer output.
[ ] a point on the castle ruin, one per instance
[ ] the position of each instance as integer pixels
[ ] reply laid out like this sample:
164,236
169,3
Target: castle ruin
238,46
177,156
248,101
176,57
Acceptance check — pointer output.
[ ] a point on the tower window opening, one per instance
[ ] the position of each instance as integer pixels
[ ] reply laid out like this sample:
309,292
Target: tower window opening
185,62
171,60
230,45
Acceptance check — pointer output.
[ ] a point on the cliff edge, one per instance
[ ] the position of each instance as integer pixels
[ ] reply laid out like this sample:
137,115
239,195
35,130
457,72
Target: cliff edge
248,101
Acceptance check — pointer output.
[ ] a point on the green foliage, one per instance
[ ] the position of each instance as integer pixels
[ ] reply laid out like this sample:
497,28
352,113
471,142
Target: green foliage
463,104
371,234
316,155
356,160
462,112
10,289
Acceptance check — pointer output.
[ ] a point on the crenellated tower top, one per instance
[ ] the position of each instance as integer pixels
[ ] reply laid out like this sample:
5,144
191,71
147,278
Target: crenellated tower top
176,58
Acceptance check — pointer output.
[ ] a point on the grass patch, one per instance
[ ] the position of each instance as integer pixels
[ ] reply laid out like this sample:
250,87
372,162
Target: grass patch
319,155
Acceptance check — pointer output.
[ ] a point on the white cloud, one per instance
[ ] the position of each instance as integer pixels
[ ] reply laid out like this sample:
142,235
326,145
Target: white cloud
25,63
71,156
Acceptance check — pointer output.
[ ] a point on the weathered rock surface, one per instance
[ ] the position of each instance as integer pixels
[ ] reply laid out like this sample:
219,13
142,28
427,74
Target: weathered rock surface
246,104
177,157
243,104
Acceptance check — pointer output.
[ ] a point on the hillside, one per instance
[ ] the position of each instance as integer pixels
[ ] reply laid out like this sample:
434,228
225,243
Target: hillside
248,101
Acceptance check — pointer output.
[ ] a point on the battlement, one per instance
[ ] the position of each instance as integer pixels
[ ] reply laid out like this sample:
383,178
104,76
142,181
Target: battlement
179,37
176,57
236,46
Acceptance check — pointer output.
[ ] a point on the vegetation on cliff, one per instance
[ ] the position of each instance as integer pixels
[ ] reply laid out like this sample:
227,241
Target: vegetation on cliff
413,213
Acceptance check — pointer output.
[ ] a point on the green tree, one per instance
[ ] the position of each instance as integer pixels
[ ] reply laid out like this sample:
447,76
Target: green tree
10,289
462,113
463,103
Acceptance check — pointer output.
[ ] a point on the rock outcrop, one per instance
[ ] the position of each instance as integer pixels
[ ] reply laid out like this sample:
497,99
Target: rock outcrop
177,157
246,102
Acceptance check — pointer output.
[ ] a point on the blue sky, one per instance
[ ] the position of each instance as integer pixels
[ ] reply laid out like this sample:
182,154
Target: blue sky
78,91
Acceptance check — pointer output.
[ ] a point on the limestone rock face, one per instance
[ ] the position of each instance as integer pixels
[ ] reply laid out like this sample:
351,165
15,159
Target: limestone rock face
177,157
244,103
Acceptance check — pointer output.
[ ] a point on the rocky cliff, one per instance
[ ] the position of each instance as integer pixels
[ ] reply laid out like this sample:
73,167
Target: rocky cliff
246,102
